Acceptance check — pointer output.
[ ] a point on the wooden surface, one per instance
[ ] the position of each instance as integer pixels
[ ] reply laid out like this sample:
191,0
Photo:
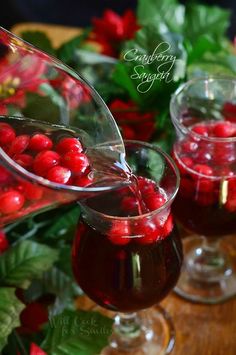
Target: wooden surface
200,329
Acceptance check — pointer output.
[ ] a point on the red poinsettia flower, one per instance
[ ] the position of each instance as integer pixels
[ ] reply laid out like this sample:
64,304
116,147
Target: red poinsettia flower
134,124
113,29
18,78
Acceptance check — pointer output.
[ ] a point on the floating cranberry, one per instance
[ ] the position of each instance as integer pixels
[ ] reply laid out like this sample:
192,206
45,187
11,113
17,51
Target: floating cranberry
202,130
223,129
202,156
189,146
119,232
76,162
69,145
203,169
129,204
5,176
183,164
154,200
59,174
31,191
7,134
40,142
44,161
25,160
19,145
147,232
146,185
11,201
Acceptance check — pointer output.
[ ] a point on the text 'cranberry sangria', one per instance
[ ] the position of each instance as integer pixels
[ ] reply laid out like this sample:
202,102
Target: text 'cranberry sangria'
127,253
205,153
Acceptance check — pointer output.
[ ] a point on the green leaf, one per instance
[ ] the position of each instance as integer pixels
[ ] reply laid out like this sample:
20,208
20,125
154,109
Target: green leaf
202,19
64,224
66,51
39,39
77,333
10,309
167,14
24,262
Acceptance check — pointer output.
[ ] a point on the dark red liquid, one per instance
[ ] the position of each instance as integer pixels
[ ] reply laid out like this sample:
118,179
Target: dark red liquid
125,278
131,276
206,201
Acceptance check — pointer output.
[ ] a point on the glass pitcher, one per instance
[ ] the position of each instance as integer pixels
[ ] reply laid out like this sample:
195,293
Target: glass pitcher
38,92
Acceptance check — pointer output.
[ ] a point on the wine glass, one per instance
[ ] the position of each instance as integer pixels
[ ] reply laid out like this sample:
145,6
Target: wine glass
205,152
127,254
40,95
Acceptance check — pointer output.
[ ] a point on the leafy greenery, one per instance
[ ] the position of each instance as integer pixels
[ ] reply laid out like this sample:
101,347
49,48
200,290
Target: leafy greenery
24,262
10,309
77,333
40,40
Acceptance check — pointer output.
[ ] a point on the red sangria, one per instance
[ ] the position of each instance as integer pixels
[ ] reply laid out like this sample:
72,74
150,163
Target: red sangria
205,153
127,253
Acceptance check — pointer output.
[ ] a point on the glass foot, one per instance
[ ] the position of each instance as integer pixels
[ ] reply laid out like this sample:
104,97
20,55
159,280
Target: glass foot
206,276
155,336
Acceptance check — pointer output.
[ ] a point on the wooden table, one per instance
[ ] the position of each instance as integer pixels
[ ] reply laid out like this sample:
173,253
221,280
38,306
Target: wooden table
200,329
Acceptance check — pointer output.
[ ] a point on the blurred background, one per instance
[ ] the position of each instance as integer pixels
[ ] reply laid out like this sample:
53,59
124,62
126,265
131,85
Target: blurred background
79,13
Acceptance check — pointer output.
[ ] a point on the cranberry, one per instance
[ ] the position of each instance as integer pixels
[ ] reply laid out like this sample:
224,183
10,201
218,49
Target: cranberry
224,153
7,134
203,169
69,144
184,163
201,130
4,175
146,185
189,146
76,162
31,191
40,142
223,129
25,160
11,201
147,231
154,200
4,244
19,145
84,181
44,161
59,174
129,203
202,156
168,226
119,232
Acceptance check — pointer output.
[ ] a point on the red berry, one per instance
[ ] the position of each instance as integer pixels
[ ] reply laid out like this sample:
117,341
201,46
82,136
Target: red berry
7,134
168,226
31,191
127,132
189,146
19,145
44,161
25,160
203,169
76,162
11,201
59,174
83,181
5,176
146,185
69,145
154,200
223,129
40,142
202,156
119,232
147,232
201,130
4,244
184,164
129,204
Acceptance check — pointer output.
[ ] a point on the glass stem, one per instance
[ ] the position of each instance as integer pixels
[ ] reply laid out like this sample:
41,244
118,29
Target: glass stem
129,331
208,263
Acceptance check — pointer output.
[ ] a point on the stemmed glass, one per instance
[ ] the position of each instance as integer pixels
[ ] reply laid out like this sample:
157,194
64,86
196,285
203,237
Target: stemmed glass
205,152
126,260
